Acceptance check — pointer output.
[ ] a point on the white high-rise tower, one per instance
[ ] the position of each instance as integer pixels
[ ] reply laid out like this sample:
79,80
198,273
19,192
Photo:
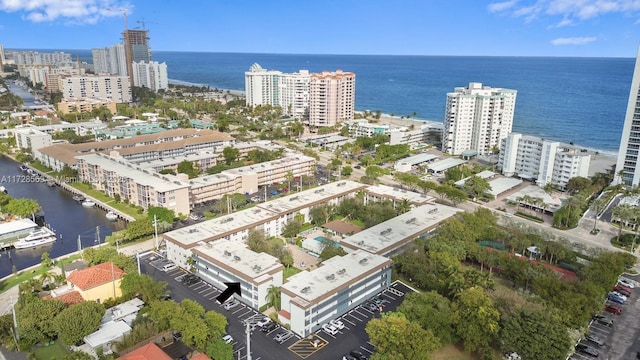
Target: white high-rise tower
627,166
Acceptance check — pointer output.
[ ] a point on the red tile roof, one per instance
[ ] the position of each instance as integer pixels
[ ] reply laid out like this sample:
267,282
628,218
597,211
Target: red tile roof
95,276
70,298
150,351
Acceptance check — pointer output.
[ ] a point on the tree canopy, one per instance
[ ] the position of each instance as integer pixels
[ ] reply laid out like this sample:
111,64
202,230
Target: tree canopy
395,337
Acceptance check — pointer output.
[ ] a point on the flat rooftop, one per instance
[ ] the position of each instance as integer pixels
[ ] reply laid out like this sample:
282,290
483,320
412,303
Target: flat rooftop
107,333
124,169
394,233
235,255
288,159
309,287
16,226
500,185
312,197
190,236
394,193
418,159
445,164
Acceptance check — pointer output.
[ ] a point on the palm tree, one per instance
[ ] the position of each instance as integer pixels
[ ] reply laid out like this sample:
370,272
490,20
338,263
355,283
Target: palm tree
623,213
47,278
273,297
596,206
289,176
403,206
572,203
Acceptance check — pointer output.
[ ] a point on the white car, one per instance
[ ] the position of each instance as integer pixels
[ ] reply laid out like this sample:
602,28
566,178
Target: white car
227,338
263,322
330,329
627,283
337,324
619,295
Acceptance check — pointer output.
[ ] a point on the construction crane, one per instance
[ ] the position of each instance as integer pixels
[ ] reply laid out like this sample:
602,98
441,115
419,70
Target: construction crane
142,22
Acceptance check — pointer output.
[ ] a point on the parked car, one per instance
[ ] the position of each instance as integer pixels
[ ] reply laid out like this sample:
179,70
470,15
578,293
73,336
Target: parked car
166,297
283,336
594,339
330,329
337,324
348,357
619,287
263,322
358,354
621,290
619,295
227,338
169,267
615,298
269,327
627,283
603,320
231,304
613,309
379,301
587,350
371,307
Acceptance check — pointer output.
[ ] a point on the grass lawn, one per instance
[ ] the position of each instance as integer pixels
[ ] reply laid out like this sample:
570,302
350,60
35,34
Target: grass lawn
290,271
55,351
29,274
41,167
99,195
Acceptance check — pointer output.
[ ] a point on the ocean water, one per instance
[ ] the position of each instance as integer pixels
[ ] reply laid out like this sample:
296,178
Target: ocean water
578,100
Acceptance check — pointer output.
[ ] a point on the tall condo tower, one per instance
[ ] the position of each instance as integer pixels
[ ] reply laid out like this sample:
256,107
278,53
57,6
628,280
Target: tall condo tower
331,97
477,118
139,42
627,166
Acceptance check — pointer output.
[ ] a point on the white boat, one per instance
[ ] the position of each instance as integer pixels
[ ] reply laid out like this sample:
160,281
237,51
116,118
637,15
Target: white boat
88,204
37,237
78,198
111,216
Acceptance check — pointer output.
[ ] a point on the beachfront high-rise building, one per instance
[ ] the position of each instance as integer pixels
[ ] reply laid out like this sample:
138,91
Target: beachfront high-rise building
100,60
1,57
628,165
152,75
112,87
111,60
477,118
289,91
261,86
331,98
139,42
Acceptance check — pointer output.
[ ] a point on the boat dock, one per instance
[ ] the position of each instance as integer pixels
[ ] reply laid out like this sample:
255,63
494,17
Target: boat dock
99,204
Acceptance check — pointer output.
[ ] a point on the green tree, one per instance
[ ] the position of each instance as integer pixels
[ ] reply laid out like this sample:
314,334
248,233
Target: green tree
273,297
289,177
292,229
161,213
330,251
230,155
432,311
219,350
45,260
217,324
477,186
346,171
256,241
162,312
78,321
374,172
148,288
186,167
578,184
320,214
36,318
475,318
623,214
22,207
139,228
535,335
395,337
366,160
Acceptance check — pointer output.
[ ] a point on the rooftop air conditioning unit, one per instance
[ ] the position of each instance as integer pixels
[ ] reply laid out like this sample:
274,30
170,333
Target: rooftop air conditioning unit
236,258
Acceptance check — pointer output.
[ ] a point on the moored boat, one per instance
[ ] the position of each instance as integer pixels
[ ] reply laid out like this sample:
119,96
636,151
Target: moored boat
40,236
24,167
78,198
111,216
51,183
88,204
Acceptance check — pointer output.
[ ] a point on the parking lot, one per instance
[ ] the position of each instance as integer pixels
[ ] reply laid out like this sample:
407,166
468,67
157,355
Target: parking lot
619,339
320,345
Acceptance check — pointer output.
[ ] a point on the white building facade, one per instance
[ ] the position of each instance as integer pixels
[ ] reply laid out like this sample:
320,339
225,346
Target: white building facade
293,94
227,261
112,87
261,86
152,75
310,299
545,161
628,165
31,139
477,118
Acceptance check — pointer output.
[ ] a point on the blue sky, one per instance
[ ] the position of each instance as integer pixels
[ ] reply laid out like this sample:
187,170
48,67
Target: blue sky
592,28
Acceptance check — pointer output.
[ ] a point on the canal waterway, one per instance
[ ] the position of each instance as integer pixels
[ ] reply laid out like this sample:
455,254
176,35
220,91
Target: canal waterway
61,213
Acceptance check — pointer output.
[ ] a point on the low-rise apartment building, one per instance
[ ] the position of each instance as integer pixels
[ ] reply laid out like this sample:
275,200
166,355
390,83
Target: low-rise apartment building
226,261
85,105
310,299
139,186
384,192
31,139
545,161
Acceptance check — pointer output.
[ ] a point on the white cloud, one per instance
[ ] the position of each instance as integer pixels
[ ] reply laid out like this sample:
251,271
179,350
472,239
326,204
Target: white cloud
573,40
570,9
564,22
502,6
71,11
